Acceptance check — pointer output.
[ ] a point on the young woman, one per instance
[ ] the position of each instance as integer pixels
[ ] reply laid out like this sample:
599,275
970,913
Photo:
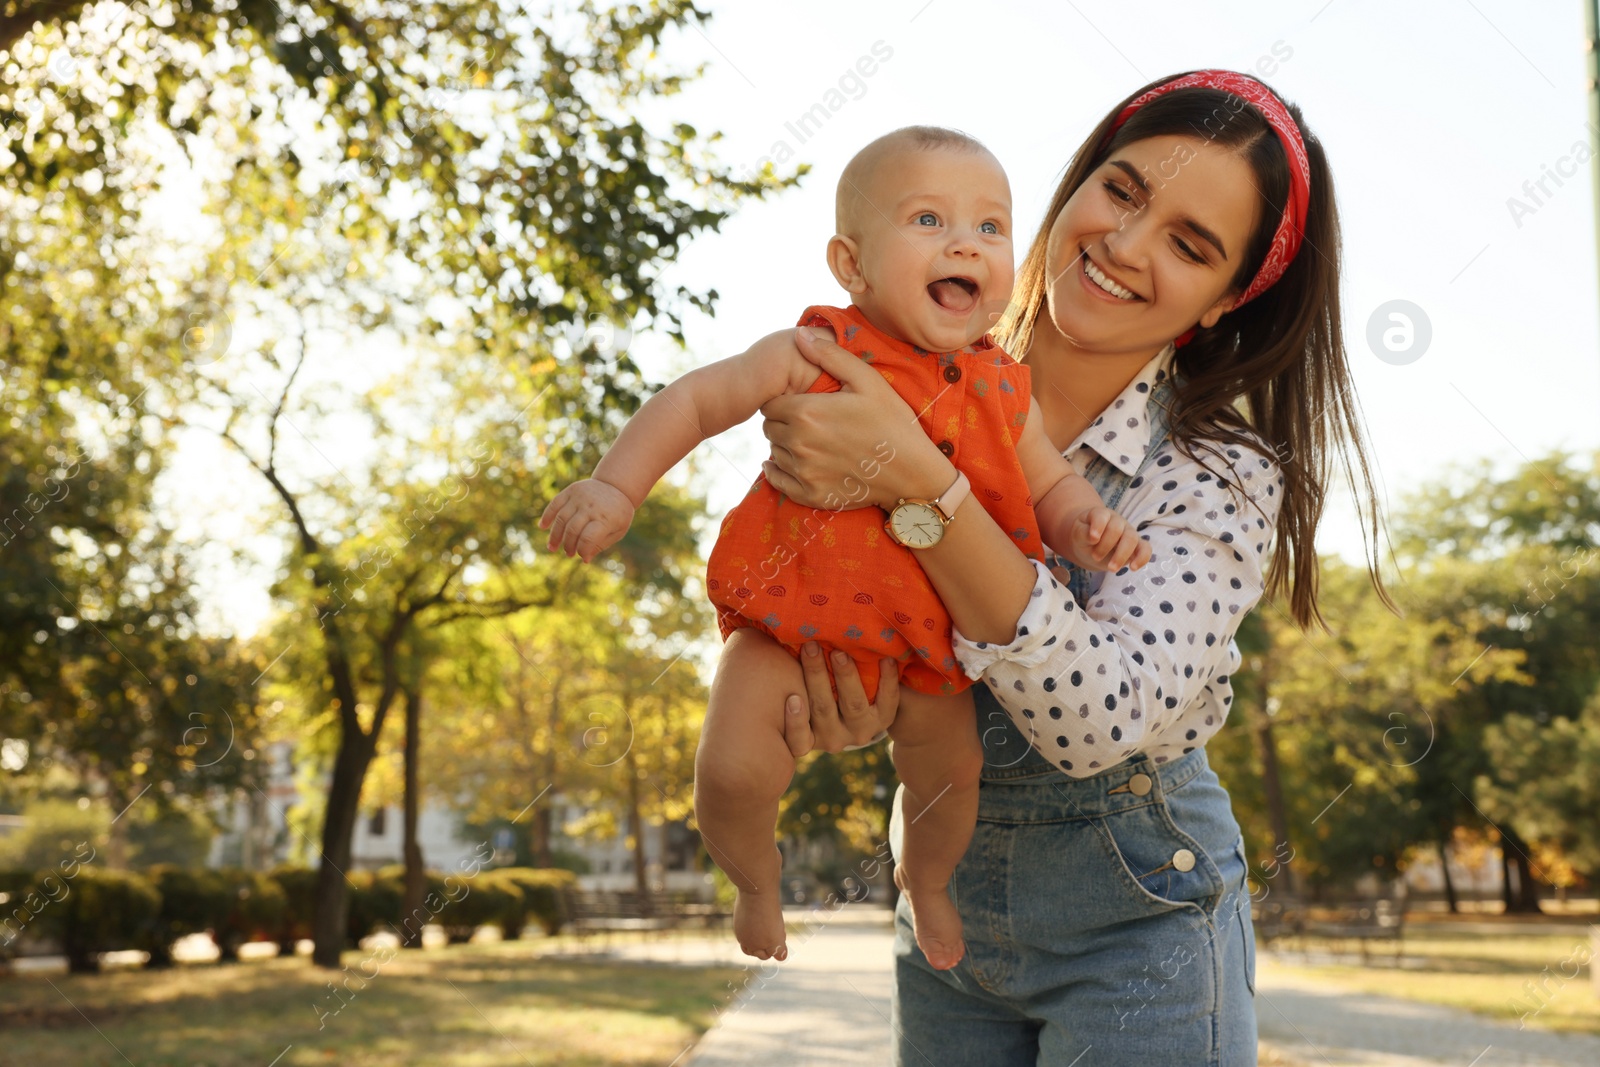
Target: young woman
1179,309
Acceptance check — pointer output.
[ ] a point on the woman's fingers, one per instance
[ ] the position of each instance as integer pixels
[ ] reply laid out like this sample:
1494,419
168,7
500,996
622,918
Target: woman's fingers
854,709
853,373
818,345
780,479
888,702
863,720
827,729
797,727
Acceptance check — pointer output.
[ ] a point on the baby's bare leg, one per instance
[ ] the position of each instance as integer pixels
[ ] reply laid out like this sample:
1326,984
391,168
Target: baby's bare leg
741,769
939,759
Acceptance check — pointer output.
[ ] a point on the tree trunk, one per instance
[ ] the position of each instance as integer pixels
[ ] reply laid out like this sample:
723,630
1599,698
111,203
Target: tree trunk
540,834
641,881
543,854
1505,875
416,889
1449,883
1272,784
116,854
1525,899
338,828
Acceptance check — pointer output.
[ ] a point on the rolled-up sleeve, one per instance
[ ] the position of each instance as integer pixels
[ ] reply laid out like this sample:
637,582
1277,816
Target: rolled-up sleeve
1089,686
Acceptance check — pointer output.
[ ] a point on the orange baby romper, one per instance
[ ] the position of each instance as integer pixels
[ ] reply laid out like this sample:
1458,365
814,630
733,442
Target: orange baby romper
837,577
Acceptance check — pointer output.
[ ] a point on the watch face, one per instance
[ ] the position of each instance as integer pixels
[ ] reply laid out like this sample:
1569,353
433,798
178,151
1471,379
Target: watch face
916,525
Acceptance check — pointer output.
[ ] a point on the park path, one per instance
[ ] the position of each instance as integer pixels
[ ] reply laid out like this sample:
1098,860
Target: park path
828,1006
1318,1025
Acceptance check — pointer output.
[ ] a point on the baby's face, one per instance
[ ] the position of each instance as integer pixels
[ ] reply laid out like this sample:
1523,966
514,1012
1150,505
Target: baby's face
934,247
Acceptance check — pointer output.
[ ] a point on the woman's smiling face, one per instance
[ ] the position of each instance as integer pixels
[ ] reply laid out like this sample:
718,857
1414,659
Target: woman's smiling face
1149,245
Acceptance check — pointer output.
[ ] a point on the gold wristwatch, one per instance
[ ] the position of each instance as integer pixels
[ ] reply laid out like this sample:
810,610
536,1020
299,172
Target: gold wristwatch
920,524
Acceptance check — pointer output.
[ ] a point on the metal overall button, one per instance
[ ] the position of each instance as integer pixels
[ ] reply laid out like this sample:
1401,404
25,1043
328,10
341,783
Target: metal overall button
1139,785
1182,861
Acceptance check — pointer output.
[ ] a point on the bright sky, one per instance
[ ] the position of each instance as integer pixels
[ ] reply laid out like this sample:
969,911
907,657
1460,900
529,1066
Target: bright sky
1433,114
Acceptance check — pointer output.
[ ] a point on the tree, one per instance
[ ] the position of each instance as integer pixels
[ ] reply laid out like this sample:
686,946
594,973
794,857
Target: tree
1544,784
1371,721
1534,531
596,701
104,669
482,184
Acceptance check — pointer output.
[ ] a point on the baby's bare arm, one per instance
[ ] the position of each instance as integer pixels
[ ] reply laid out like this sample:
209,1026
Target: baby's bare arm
700,405
1072,519
589,516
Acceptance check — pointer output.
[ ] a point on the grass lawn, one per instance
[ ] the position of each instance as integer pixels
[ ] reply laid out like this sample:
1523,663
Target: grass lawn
478,1005
1481,973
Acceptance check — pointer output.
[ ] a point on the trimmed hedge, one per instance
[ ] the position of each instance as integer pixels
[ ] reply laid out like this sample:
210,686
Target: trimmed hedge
546,895
105,910
255,911
192,902
470,902
92,910
299,885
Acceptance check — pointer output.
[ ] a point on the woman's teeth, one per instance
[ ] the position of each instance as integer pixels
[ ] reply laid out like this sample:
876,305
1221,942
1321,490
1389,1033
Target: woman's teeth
1099,277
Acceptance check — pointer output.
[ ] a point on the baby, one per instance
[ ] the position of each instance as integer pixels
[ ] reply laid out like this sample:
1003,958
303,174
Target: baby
924,250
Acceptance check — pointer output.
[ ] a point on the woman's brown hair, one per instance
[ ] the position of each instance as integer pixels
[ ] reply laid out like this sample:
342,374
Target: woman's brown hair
1275,366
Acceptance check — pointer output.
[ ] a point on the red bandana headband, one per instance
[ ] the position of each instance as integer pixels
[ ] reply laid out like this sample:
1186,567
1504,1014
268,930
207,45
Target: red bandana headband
1292,226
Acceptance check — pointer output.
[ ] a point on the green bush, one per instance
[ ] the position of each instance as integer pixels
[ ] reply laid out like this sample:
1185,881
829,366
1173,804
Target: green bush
376,899
21,899
509,897
192,901
103,910
299,888
546,895
393,877
473,901
256,905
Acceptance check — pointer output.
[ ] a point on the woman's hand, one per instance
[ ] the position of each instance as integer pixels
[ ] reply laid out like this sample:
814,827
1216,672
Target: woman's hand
829,726
859,446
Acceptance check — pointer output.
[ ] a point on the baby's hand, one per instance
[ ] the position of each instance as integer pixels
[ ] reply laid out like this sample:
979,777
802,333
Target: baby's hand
587,518
1102,540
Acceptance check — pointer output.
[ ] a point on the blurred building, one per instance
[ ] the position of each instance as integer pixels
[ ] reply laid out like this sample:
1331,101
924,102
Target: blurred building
257,836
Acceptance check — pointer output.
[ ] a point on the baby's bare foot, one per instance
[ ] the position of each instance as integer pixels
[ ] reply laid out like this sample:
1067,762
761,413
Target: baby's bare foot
936,922
758,924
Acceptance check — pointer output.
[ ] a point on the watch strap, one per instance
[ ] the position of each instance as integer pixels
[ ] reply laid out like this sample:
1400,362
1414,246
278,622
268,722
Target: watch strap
949,500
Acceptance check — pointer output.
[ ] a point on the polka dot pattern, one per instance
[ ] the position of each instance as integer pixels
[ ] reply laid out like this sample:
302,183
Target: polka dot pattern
1145,663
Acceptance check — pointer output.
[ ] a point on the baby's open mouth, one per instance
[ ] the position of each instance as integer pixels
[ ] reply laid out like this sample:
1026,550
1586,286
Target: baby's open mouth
954,294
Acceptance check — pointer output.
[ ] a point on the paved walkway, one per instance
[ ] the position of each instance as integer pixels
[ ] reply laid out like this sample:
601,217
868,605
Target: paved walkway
828,1006
1310,1023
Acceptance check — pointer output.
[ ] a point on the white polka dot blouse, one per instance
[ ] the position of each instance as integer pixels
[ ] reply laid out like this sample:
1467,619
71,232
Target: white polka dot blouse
1145,665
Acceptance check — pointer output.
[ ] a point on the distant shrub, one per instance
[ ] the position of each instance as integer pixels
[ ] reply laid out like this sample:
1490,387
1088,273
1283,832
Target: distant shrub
545,893
102,910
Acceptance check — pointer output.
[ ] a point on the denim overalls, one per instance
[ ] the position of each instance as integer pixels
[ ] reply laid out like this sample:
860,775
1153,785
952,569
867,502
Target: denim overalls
1107,919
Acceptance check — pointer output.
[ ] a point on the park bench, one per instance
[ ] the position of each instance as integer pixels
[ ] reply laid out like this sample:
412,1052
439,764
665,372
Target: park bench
1363,922
611,912
1275,920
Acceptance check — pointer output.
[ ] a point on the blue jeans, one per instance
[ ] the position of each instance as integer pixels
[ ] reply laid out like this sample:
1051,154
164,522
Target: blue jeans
1088,943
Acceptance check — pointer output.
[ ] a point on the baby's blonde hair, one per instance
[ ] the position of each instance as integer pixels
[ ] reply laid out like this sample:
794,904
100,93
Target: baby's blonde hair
851,196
